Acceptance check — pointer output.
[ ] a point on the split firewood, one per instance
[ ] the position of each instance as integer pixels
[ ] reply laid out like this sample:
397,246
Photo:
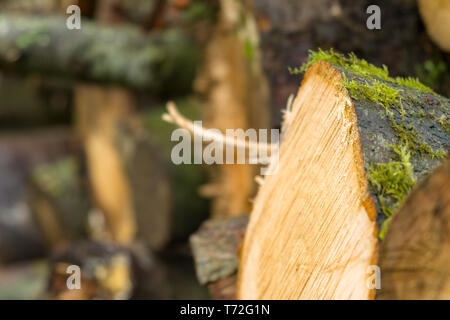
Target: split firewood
215,249
436,16
237,94
355,143
415,256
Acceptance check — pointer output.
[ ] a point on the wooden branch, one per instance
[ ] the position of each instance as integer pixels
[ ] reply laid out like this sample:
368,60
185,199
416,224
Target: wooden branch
173,116
415,256
312,232
160,63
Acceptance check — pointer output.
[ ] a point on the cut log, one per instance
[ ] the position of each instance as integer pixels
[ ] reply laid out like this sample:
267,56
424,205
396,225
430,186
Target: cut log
237,97
415,256
436,16
160,63
313,232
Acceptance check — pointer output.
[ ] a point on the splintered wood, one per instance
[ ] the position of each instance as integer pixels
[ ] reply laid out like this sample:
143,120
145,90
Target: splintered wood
310,237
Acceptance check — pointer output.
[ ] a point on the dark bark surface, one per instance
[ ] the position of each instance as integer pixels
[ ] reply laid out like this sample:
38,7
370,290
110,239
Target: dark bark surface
215,248
426,117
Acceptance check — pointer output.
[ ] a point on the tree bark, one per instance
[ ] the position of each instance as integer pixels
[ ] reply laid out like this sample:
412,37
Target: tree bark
215,248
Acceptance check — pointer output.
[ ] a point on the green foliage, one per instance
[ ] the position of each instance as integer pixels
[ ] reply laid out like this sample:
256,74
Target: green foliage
392,181
357,66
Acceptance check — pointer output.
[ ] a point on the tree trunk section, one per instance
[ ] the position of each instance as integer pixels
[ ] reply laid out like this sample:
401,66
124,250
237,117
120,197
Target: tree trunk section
313,231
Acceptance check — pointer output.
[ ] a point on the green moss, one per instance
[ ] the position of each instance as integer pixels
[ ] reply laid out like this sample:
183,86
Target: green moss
390,99
392,181
358,66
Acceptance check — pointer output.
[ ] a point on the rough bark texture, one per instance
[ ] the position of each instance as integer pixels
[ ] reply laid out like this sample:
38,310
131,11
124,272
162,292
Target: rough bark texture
215,248
425,113
305,240
238,97
159,63
415,256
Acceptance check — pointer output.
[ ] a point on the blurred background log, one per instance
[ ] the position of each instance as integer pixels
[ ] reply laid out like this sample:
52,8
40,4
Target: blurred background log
122,55
436,16
237,94
415,256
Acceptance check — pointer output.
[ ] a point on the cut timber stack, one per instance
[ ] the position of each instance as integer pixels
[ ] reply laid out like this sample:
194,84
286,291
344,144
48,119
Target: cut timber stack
355,142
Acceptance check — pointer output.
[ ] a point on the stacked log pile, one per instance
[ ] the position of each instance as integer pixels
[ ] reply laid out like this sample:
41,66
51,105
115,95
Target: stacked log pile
355,143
